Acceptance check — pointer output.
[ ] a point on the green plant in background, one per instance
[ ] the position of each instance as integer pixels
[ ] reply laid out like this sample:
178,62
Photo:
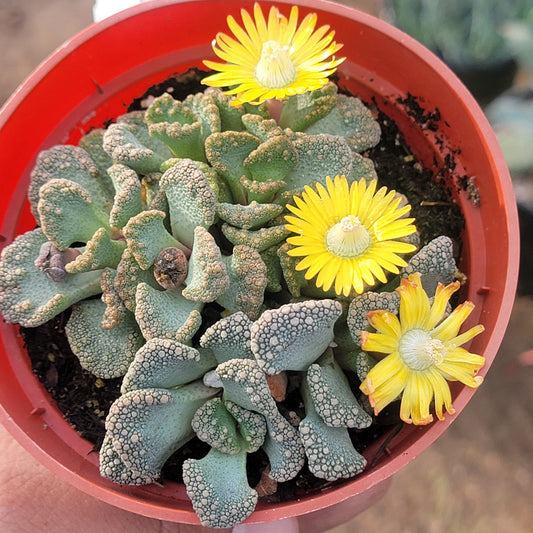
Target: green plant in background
462,32
511,115
212,247
518,32
483,41
468,35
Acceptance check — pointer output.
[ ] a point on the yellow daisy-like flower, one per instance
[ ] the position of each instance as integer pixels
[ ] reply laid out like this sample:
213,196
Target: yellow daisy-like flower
423,351
273,58
347,234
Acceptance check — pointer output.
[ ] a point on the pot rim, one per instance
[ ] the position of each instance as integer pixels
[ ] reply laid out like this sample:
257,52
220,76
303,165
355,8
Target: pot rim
362,483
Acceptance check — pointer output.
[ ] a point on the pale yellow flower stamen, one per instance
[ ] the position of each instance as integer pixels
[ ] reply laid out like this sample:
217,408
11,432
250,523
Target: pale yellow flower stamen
275,68
348,238
419,351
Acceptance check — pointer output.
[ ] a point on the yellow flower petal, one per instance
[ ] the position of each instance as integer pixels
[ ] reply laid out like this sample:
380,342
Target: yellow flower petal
304,31
385,323
466,336
292,25
461,365
414,303
450,326
366,273
316,259
441,390
249,39
385,382
260,22
374,342
416,397
330,272
376,270
438,308
393,230
385,260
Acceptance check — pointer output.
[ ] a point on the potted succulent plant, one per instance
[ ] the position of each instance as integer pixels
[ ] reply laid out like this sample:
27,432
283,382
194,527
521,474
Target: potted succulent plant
224,250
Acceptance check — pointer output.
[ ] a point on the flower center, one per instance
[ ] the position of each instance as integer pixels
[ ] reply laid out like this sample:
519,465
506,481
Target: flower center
275,69
419,350
348,238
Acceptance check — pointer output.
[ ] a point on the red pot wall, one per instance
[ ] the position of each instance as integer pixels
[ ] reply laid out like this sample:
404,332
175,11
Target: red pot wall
74,90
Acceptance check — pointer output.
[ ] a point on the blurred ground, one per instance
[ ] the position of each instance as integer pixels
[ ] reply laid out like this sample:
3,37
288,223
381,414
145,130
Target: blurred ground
478,476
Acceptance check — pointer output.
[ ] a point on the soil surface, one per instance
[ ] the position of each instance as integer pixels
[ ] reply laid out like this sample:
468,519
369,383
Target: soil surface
477,477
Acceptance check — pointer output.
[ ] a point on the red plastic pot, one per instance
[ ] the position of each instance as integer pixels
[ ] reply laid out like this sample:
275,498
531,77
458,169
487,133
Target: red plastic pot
94,76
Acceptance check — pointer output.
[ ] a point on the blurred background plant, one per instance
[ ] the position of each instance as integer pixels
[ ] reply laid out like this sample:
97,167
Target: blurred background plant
469,36
512,114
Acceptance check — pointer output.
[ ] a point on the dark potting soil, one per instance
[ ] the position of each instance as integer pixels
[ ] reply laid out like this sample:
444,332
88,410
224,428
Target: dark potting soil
85,400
